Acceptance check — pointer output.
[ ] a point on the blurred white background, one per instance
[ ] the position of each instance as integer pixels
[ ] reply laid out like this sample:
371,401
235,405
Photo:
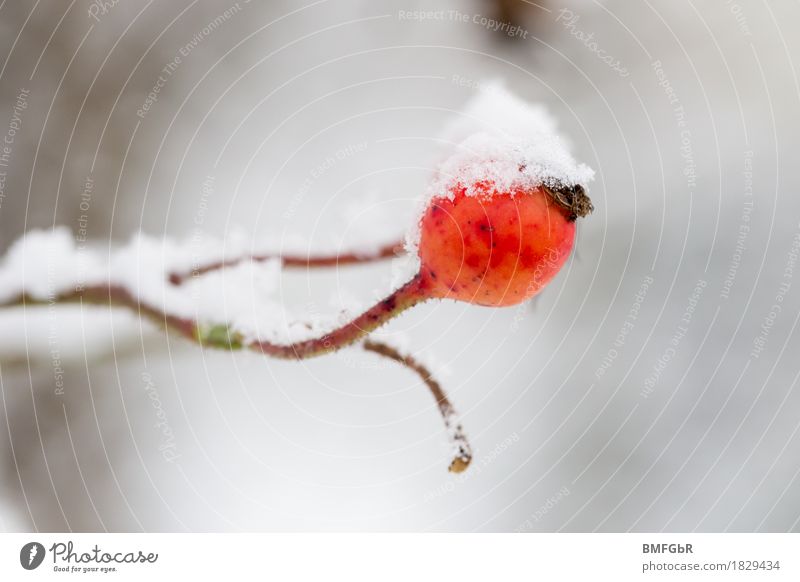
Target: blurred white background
699,117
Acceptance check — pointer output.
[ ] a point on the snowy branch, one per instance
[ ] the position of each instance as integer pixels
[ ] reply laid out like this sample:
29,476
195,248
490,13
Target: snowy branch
47,269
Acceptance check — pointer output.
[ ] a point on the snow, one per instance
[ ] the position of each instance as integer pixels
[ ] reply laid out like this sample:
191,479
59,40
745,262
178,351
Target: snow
507,162
45,264
494,109
403,269
41,263
504,142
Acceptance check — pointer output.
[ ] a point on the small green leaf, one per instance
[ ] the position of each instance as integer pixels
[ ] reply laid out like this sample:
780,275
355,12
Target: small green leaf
219,336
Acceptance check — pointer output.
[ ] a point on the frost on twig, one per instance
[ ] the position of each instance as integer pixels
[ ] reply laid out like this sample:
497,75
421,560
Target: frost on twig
230,308
462,452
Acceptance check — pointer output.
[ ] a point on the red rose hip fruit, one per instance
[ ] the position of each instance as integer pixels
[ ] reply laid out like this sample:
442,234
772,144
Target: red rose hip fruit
497,248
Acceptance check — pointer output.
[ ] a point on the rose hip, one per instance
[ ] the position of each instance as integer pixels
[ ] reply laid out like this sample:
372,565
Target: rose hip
496,249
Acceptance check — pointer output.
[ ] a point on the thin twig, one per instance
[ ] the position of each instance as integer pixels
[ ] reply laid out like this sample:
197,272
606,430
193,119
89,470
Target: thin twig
349,258
462,452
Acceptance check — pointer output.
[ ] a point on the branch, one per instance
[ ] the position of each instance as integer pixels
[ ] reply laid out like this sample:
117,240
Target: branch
54,263
462,452
221,336
349,258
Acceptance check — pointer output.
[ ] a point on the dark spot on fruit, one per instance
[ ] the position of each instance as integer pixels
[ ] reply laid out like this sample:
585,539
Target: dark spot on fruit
433,273
389,304
529,258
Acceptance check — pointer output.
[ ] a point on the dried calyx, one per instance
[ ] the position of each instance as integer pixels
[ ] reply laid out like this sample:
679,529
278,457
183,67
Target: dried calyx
573,199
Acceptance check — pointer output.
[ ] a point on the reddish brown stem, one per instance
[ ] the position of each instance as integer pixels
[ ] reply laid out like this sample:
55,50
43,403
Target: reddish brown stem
462,452
350,258
406,296
221,336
